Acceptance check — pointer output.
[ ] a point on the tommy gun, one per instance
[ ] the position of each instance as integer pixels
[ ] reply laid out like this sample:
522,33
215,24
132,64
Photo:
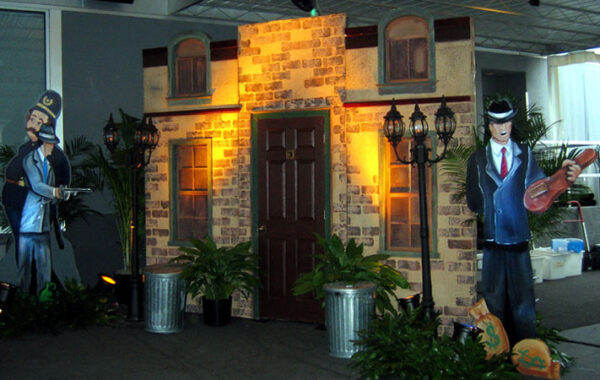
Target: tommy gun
66,192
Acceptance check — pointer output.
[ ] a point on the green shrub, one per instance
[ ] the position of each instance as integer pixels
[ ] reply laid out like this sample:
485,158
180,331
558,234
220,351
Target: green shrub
75,306
406,346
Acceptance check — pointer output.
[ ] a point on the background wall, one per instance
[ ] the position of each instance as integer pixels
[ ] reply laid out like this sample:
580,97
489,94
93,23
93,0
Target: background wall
102,72
534,68
102,68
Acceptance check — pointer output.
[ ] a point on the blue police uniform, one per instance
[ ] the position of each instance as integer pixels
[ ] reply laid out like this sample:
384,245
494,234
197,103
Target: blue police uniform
34,238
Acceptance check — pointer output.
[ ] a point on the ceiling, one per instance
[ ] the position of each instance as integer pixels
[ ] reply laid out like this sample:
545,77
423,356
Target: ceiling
555,26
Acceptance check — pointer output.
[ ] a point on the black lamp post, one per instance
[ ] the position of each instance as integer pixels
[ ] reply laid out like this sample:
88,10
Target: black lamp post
145,140
393,129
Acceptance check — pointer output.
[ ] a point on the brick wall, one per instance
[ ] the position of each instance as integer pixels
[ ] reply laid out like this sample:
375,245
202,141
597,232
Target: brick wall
453,268
298,64
230,212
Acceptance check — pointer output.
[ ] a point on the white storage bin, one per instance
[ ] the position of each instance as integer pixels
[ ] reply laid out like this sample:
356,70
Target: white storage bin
573,264
554,266
537,265
479,261
479,266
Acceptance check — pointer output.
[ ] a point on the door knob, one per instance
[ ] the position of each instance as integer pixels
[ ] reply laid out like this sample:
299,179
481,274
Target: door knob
262,228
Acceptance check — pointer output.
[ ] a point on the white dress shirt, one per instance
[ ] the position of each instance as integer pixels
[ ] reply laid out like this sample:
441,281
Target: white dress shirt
497,154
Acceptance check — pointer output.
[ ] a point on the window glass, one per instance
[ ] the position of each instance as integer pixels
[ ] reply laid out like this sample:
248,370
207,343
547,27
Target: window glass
190,66
191,209
22,69
403,219
407,49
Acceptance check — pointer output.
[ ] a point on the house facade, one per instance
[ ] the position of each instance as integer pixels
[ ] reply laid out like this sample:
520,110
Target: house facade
278,135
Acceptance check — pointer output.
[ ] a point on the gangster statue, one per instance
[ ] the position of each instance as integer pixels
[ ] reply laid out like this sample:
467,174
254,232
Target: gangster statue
497,179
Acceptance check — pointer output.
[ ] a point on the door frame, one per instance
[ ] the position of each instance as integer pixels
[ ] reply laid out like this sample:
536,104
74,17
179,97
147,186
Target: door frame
255,117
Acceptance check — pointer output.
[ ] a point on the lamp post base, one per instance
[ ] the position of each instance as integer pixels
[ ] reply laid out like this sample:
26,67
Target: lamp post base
133,309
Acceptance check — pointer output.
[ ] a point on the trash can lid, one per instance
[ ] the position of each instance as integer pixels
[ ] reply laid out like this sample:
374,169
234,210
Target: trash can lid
164,268
340,285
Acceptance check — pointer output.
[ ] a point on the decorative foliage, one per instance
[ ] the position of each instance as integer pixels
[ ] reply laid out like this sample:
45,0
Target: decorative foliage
114,168
348,265
454,167
7,152
217,272
75,306
552,339
405,346
83,174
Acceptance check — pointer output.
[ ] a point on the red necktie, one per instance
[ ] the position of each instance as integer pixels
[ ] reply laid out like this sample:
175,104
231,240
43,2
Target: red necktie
503,166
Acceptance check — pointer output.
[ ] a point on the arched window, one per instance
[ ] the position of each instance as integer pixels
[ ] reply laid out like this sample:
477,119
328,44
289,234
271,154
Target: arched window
407,49
406,54
189,66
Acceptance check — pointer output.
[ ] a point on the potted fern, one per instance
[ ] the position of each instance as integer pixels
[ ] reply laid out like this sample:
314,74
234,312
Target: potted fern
348,279
216,273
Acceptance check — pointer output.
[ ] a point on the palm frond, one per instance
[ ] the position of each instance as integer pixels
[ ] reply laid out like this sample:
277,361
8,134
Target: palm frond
454,166
7,152
78,147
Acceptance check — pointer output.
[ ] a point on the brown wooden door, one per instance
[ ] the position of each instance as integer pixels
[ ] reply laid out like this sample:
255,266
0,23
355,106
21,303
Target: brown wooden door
291,203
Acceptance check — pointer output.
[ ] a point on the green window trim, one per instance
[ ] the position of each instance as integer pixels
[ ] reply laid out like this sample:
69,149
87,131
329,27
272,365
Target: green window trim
409,86
173,98
432,192
174,187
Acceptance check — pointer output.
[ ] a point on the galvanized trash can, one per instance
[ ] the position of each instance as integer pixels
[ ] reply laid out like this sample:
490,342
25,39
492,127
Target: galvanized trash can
164,298
348,309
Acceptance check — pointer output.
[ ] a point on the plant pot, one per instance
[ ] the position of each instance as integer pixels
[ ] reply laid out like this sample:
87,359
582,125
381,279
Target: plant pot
216,312
348,309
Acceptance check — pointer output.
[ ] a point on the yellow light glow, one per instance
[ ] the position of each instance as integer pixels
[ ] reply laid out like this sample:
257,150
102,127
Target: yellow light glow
108,279
366,155
493,10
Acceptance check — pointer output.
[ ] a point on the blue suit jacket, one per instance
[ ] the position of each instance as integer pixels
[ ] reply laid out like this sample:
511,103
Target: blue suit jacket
501,201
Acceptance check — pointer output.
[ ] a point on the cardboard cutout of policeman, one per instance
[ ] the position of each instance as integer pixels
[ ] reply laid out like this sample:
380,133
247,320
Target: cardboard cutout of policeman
29,196
498,176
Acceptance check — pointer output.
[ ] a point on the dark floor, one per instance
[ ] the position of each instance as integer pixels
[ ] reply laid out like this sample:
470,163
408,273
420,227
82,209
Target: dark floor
248,349
570,302
245,349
